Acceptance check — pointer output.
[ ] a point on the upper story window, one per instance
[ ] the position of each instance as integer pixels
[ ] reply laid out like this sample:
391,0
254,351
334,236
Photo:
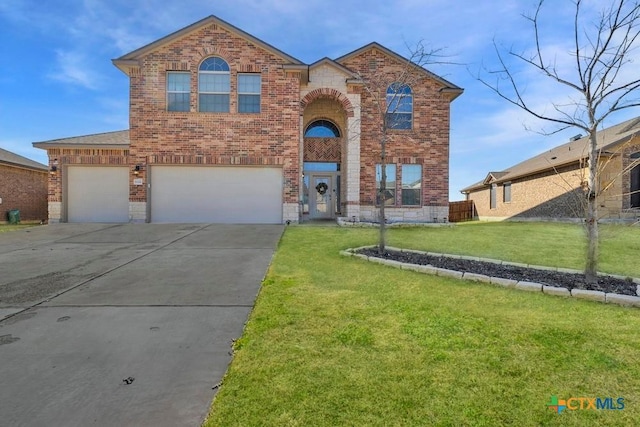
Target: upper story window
322,129
214,85
178,91
249,93
399,106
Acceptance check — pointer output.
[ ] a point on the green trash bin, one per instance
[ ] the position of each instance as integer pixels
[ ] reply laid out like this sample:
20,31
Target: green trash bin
14,216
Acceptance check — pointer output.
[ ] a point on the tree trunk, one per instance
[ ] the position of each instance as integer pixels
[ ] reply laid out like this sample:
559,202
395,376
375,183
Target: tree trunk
591,217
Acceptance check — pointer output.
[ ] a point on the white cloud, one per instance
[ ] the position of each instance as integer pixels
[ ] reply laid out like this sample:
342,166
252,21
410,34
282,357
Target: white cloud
73,67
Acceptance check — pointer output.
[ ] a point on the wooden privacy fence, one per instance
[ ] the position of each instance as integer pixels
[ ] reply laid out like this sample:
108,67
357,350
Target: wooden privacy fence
462,211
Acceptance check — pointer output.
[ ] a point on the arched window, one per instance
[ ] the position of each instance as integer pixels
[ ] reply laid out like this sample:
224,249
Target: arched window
399,106
322,129
214,85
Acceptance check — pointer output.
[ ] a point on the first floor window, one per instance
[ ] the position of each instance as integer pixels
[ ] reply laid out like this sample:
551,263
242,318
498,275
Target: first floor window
506,192
492,196
411,184
249,93
178,91
389,191
635,180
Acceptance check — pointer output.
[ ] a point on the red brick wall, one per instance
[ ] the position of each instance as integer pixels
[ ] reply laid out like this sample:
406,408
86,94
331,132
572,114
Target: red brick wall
23,189
427,143
268,138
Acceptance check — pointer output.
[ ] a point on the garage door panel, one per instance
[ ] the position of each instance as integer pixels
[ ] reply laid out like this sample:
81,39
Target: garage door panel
241,195
97,194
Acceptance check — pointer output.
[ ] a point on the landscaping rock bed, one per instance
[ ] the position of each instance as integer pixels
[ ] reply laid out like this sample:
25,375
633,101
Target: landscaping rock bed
607,284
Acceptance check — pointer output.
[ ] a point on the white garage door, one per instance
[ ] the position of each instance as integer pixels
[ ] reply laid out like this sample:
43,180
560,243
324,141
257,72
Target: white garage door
233,195
97,194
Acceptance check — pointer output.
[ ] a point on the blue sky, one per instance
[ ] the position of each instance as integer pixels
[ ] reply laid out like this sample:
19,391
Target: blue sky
58,79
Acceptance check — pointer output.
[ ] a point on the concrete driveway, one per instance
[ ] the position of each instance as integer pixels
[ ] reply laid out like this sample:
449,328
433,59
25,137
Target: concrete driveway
122,325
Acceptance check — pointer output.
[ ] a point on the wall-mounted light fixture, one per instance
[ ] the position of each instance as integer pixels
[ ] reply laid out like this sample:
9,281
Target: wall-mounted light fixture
54,167
137,169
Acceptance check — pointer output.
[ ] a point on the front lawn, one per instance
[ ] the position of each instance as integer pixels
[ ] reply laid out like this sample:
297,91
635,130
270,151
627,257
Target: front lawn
12,227
336,341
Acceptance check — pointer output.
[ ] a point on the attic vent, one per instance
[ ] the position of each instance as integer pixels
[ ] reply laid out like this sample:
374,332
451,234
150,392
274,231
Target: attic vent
575,137
373,64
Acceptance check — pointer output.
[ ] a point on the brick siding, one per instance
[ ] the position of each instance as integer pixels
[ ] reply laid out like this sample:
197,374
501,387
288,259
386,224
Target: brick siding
267,138
273,137
559,195
25,190
427,143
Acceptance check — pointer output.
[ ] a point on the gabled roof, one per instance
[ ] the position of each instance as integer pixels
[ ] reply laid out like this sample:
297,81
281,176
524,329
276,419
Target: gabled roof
13,159
352,77
330,62
118,139
493,177
448,86
565,154
131,58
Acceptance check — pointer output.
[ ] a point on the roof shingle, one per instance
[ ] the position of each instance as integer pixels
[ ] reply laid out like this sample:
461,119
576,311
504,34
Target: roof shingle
8,157
570,152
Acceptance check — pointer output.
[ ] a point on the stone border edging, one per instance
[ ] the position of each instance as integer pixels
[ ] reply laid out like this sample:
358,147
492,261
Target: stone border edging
625,300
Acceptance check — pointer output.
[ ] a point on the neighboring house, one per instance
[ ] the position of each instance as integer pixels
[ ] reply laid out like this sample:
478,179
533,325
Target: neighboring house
550,185
226,128
23,186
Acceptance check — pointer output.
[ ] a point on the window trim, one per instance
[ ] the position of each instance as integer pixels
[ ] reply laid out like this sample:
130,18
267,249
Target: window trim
321,123
393,188
402,184
168,92
506,191
393,96
493,196
259,93
634,172
214,72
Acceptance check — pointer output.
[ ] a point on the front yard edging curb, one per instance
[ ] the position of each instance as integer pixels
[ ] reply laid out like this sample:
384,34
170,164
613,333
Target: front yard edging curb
599,296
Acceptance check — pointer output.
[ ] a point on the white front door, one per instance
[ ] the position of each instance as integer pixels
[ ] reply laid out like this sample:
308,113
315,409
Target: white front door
322,196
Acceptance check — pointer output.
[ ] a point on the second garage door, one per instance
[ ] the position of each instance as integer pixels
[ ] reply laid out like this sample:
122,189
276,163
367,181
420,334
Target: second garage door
241,195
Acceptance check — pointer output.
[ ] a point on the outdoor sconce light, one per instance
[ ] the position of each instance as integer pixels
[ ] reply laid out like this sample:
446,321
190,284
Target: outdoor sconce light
136,169
54,167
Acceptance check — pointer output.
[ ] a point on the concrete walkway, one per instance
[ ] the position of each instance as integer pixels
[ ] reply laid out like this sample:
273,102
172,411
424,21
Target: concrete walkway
131,324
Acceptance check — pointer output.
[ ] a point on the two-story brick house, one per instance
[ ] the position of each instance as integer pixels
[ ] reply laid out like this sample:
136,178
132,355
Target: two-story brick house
226,128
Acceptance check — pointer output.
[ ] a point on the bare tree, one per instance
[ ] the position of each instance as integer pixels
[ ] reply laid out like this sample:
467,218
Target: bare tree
601,82
389,91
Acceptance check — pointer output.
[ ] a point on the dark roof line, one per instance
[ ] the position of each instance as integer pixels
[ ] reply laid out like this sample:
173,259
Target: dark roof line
13,159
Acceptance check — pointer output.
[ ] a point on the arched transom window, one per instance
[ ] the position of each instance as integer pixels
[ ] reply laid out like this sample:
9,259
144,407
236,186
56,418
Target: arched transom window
214,85
399,106
322,129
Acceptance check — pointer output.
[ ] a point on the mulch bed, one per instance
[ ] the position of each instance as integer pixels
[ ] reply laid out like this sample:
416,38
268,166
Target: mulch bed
570,281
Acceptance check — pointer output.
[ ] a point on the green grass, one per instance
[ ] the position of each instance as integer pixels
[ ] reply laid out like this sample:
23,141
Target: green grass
12,227
336,341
